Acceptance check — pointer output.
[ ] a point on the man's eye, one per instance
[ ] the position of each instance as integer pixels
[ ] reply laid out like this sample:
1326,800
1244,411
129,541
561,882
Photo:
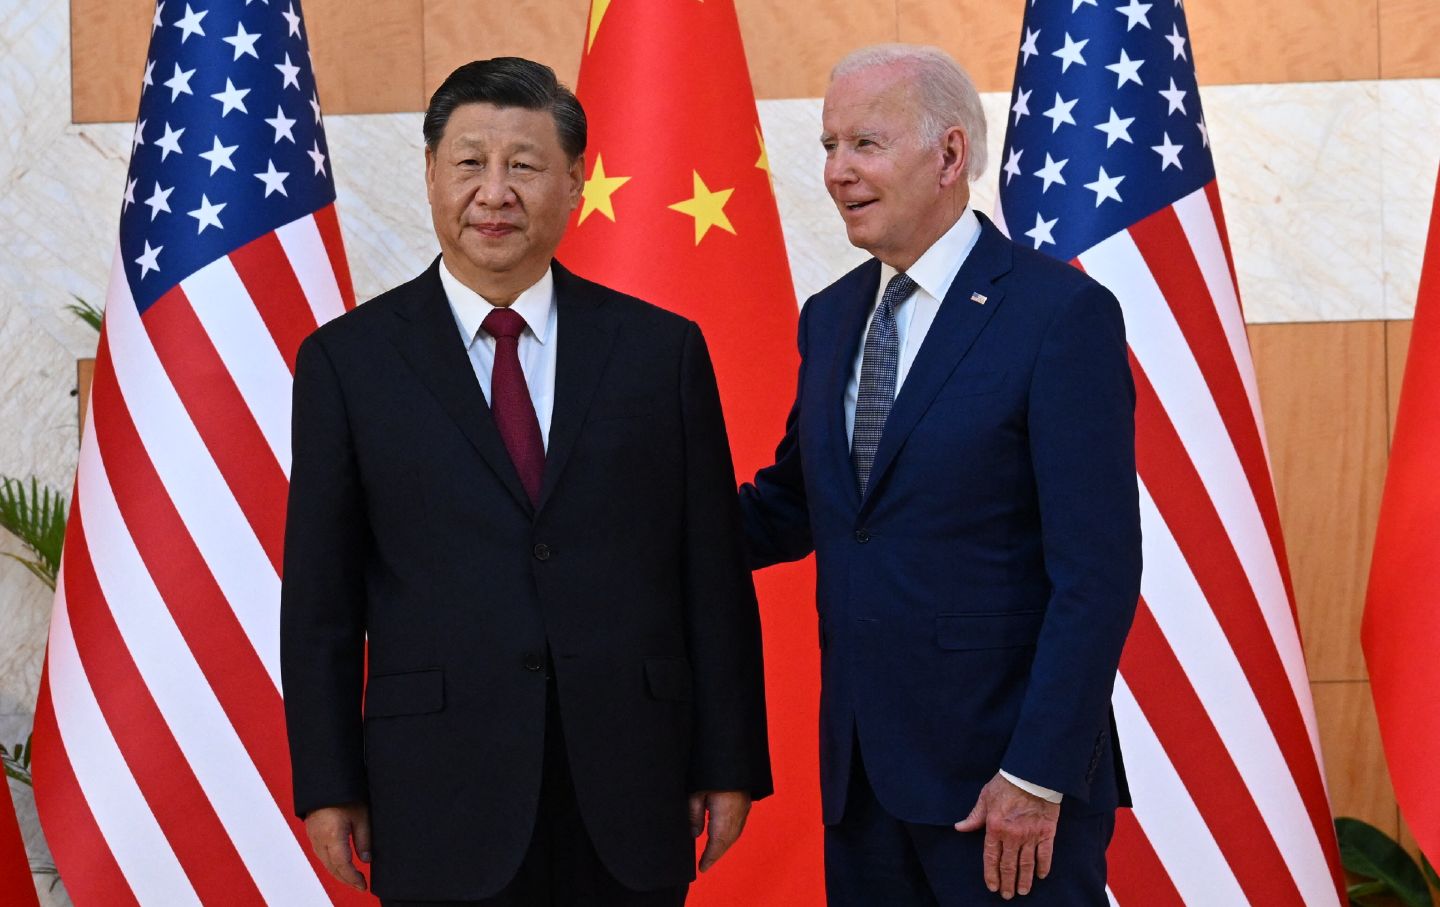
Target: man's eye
521,165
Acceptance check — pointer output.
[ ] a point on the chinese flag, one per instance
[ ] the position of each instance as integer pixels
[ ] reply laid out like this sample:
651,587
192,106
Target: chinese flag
15,882
1401,631
679,210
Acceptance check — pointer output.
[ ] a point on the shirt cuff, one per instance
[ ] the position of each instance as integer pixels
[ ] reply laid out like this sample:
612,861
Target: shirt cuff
1044,793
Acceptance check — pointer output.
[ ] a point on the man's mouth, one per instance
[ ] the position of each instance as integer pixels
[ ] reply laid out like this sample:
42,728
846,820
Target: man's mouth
494,230
856,206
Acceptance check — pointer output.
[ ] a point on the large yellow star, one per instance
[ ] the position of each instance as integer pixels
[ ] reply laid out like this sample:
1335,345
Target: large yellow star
598,189
597,12
708,209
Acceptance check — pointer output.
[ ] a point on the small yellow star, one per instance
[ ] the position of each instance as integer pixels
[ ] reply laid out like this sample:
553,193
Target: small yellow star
597,12
764,162
598,189
708,209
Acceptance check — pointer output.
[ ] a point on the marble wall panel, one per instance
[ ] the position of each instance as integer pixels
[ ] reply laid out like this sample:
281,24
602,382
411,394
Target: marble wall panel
1300,182
1408,160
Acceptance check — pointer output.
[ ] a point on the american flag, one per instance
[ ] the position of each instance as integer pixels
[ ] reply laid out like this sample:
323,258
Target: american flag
1107,164
161,772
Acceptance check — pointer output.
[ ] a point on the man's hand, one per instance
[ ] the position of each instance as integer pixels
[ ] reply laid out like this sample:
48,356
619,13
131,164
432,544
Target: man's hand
727,809
1019,835
331,829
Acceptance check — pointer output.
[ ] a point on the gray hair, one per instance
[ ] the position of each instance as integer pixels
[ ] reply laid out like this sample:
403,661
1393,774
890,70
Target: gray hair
947,93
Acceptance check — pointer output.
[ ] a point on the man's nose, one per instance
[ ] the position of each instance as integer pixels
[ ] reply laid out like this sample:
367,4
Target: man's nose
838,171
494,188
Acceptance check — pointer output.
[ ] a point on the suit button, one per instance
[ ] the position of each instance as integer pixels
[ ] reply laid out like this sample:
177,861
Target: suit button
862,535
542,552
533,662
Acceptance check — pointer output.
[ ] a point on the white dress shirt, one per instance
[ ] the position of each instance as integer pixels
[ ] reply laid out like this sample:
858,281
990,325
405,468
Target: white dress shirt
933,273
537,342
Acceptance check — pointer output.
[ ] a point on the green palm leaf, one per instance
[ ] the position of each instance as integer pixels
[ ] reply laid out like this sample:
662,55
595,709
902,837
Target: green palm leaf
87,312
34,514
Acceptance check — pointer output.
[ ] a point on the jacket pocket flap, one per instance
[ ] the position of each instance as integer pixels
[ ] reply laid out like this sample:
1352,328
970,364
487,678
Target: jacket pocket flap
992,630
668,678
622,408
410,693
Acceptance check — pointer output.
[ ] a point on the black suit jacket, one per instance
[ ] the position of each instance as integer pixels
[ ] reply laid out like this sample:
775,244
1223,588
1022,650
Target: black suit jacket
408,524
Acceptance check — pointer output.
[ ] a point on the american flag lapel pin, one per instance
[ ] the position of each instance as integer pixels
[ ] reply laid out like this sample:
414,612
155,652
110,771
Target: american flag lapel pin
978,298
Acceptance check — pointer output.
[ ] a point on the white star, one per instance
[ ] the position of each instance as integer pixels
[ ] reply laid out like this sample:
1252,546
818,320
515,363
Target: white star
243,42
156,23
317,157
231,98
148,262
129,196
1116,128
170,141
290,72
1169,154
1177,43
1028,48
219,156
139,138
1204,133
190,24
281,124
1126,69
1060,112
1012,165
159,200
273,179
294,21
1050,173
179,83
207,215
1041,231
1104,187
315,105
1138,13
1022,105
149,79
1176,97
1070,53
1076,4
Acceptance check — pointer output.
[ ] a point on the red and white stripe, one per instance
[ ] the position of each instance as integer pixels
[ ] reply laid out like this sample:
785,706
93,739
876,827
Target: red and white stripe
1213,702
162,772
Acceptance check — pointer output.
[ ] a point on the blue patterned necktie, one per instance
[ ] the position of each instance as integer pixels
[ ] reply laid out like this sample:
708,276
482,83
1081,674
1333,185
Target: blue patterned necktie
878,370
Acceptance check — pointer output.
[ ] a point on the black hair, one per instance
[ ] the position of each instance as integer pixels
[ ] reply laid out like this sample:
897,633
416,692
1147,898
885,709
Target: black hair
508,82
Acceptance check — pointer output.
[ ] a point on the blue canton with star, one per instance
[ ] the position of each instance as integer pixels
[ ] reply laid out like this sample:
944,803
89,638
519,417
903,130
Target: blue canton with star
229,144
1104,126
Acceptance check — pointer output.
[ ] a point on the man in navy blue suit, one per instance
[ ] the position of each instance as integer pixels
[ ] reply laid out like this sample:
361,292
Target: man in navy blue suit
960,457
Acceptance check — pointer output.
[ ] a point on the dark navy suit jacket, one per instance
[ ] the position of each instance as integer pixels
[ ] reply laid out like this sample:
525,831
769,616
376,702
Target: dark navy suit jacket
974,604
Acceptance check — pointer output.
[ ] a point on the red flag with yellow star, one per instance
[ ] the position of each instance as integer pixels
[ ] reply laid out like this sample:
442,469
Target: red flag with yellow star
679,210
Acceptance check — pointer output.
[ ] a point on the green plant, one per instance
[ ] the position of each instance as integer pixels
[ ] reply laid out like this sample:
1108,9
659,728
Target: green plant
17,762
1382,865
87,312
34,514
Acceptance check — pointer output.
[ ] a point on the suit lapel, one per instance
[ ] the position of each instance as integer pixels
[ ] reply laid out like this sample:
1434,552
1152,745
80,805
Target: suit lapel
851,326
586,333
957,324
430,343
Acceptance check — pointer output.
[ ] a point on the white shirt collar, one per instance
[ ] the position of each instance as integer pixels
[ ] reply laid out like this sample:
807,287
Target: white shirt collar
936,268
536,305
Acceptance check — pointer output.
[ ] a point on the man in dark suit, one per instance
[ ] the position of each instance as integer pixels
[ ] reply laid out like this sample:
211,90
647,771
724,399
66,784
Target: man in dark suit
516,485
960,458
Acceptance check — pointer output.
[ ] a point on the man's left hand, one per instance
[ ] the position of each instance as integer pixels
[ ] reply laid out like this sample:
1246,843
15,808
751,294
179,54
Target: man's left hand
727,810
1019,835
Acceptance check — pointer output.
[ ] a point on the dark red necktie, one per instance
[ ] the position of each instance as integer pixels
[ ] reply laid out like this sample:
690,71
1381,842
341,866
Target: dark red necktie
510,401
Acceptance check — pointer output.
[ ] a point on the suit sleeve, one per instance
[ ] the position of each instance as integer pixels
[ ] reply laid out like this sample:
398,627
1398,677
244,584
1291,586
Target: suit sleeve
1082,439
730,748
776,516
322,607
